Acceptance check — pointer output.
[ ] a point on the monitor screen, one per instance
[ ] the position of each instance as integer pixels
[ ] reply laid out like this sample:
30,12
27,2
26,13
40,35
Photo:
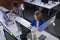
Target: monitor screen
44,1
54,0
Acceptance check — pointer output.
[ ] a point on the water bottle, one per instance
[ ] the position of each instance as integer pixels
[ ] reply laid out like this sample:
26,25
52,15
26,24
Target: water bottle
34,37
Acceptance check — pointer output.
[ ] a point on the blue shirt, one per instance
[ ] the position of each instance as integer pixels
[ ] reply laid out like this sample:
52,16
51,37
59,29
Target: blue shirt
33,23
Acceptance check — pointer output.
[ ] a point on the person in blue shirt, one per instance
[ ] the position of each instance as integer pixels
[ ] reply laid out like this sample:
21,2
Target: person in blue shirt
38,21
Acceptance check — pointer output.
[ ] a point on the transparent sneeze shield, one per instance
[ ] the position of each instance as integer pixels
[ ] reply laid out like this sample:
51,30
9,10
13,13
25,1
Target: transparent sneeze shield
46,24
50,21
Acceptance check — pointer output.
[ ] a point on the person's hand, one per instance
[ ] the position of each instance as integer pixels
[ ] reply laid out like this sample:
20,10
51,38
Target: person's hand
34,31
29,27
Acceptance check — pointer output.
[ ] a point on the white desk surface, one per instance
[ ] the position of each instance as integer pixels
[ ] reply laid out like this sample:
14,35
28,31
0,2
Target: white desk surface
1,27
23,21
12,28
27,24
42,5
1,33
3,8
1,17
48,35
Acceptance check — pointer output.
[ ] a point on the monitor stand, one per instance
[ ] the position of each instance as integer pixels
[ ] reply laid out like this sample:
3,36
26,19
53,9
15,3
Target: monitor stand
53,2
32,1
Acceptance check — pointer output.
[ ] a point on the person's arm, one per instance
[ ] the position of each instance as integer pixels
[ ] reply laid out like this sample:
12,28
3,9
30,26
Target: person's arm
11,10
32,24
41,28
29,27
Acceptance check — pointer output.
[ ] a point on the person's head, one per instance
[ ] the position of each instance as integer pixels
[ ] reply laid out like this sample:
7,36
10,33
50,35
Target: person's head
37,15
15,4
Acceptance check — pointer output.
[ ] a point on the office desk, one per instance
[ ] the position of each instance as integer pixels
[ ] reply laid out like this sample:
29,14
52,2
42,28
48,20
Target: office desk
1,17
23,22
12,28
27,24
3,8
48,35
1,32
39,3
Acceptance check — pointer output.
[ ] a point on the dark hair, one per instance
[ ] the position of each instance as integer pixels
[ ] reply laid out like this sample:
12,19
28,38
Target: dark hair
38,15
15,4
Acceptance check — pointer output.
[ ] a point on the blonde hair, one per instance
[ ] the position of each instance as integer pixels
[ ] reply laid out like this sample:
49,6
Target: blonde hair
38,15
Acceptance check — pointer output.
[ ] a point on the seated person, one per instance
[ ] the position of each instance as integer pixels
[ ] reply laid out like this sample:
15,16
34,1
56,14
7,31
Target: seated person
15,8
38,21
9,18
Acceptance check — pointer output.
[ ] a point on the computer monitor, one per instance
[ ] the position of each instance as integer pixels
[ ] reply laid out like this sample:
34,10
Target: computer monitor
55,0
44,1
32,0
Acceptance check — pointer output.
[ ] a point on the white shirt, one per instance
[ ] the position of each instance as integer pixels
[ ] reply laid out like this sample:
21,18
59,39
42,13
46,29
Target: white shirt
37,24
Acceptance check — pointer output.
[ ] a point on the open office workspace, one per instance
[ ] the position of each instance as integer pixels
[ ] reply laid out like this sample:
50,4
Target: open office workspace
29,19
